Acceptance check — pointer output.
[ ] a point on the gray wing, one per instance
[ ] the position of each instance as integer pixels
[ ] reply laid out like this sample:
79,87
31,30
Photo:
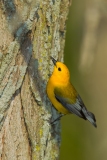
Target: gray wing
78,109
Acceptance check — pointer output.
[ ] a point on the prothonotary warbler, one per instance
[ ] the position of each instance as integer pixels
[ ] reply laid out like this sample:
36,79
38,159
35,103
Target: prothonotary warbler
63,95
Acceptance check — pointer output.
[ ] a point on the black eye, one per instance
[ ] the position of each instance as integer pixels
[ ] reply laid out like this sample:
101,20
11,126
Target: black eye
59,69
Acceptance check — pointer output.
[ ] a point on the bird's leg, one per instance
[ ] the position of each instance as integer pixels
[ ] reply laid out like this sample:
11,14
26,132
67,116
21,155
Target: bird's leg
57,119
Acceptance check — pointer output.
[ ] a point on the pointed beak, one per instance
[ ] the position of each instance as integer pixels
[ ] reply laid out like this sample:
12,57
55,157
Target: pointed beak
53,60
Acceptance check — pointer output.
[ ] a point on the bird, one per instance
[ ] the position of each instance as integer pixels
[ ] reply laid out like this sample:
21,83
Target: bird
64,96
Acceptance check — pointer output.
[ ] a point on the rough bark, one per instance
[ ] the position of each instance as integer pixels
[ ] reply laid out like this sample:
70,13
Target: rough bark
30,32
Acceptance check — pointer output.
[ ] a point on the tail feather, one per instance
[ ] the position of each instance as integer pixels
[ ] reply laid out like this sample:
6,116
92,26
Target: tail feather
92,119
89,116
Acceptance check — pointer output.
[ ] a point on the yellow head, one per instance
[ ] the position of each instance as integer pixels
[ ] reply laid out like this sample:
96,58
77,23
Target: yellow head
60,72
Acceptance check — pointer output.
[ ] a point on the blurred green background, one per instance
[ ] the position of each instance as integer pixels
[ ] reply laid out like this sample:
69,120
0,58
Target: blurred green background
80,140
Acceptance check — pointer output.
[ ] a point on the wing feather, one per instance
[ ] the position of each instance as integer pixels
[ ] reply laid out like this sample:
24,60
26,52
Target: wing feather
73,108
77,108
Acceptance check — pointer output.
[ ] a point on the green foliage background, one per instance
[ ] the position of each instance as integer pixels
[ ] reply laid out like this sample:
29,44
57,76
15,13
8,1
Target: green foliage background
80,140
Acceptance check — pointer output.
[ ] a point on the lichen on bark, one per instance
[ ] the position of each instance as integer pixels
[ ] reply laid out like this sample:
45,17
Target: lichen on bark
31,31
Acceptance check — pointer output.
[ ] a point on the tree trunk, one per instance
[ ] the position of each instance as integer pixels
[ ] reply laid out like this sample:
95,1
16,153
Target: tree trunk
30,32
